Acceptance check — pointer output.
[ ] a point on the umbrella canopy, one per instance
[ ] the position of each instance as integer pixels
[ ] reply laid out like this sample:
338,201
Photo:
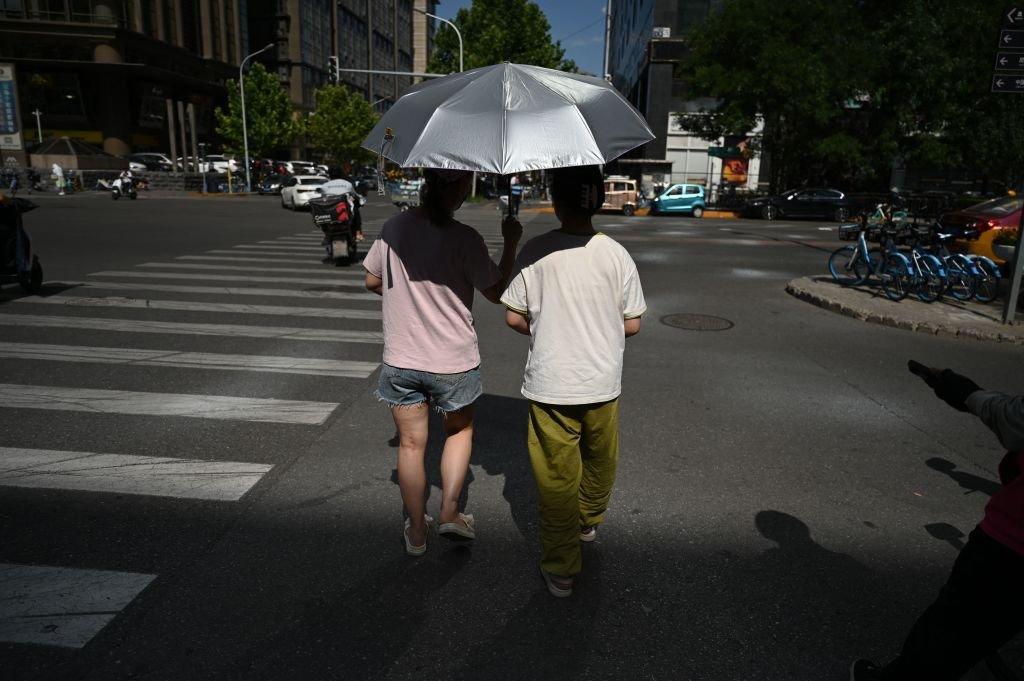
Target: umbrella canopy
509,118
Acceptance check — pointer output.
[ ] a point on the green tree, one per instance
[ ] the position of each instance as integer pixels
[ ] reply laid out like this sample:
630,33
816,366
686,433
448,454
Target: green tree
495,31
799,67
341,122
270,119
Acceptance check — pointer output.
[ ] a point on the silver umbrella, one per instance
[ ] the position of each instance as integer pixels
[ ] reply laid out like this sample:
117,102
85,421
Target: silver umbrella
508,118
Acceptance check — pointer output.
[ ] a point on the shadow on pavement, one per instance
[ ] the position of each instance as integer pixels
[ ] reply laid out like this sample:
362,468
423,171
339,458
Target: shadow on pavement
968,481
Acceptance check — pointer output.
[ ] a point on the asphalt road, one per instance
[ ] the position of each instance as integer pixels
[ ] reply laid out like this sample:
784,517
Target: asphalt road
196,481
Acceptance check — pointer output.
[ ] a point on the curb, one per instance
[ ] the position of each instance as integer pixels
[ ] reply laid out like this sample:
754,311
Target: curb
817,293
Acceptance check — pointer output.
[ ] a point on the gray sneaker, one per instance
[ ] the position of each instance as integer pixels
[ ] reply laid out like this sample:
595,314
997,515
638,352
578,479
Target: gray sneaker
864,670
588,534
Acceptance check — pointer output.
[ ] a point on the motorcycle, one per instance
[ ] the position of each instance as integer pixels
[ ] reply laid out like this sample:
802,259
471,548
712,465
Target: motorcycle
338,217
17,262
123,187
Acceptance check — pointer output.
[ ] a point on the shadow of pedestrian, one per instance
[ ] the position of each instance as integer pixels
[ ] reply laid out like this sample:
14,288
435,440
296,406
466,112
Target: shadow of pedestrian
500,449
358,632
968,481
947,533
547,638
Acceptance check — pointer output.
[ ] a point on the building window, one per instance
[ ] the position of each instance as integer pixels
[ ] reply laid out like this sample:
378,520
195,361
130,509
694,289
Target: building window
190,28
229,31
215,28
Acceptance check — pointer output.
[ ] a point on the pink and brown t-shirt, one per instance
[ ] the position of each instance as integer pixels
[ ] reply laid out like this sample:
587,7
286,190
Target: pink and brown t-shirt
429,276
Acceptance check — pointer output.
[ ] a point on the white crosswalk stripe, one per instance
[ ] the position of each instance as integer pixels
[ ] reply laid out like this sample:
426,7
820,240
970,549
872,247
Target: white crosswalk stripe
189,360
216,277
220,407
231,330
129,474
197,306
249,250
271,246
228,290
326,274
62,607
230,258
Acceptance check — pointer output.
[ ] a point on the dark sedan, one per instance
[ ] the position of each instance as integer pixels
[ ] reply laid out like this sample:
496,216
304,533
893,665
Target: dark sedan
830,204
271,184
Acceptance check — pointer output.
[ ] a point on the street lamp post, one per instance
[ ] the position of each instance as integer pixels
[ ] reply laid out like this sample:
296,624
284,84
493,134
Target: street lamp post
455,28
39,123
245,130
458,34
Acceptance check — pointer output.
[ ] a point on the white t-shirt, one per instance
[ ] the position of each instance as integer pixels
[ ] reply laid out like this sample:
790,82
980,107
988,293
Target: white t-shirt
576,290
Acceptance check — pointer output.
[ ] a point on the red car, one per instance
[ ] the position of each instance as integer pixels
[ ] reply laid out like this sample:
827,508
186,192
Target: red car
988,218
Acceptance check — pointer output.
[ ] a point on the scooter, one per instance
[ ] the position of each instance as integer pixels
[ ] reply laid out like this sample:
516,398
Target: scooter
123,187
17,262
34,180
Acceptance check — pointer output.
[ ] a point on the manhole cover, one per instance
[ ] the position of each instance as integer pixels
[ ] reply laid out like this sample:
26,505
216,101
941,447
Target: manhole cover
696,322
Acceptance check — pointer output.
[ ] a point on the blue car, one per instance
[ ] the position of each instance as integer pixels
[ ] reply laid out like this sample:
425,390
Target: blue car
680,198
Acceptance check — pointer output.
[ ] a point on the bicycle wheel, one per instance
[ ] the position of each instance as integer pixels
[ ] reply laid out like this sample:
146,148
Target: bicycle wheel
930,283
877,260
961,281
847,267
986,285
895,276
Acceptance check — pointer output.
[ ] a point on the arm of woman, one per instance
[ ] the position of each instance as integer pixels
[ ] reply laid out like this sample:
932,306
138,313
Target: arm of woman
374,284
511,232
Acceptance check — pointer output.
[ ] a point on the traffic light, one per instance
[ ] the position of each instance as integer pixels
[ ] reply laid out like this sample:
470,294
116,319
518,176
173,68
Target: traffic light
332,69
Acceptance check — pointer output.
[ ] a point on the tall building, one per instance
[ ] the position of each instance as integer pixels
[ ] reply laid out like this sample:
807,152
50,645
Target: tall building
647,42
102,71
377,35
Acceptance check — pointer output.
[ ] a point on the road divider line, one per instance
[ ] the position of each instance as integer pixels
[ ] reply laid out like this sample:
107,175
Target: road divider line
336,368
209,277
198,306
129,474
231,330
217,407
62,607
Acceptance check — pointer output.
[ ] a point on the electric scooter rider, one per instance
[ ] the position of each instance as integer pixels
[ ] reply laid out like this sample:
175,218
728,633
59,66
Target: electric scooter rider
124,185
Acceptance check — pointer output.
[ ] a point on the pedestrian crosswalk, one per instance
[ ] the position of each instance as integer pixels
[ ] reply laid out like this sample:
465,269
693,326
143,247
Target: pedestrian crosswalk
164,347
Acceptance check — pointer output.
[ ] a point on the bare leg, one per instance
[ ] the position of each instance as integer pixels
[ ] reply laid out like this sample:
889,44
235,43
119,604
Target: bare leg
458,447
412,424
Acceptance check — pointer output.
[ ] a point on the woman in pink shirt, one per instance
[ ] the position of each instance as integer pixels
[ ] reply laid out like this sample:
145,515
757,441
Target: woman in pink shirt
427,265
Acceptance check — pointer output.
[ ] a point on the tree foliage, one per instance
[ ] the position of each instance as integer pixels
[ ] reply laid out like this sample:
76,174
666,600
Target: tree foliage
271,122
494,31
844,88
341,122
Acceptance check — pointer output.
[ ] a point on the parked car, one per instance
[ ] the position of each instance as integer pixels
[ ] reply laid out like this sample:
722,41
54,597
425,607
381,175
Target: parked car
152,161
680,198
299,189
620,194
136,166
819,202
219,163
271,184
988,219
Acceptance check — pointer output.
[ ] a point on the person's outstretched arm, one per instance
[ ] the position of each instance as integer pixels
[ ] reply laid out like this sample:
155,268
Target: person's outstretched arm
511,233
1003,414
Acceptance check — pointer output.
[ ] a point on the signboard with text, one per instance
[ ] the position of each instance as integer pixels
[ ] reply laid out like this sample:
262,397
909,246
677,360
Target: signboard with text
10,128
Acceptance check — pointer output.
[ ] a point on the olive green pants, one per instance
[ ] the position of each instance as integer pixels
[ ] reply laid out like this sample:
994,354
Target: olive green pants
574,450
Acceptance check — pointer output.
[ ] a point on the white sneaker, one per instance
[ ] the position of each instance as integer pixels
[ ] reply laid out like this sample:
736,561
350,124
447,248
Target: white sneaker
458,531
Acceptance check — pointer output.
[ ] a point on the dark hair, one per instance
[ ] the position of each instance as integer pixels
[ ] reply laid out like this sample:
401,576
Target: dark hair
578,190
430,198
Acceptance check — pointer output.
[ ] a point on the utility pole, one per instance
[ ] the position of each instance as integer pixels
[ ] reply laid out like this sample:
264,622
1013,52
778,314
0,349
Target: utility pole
245,130
607,38
39,125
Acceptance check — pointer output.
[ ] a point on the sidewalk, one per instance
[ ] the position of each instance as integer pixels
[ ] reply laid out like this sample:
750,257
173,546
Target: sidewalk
947,317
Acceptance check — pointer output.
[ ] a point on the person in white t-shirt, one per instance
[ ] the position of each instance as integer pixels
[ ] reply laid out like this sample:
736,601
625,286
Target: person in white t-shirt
577,294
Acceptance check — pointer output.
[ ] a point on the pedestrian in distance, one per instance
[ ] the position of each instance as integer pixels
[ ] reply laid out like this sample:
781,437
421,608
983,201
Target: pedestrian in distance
981,607
58,178
577,294
515,195
426,265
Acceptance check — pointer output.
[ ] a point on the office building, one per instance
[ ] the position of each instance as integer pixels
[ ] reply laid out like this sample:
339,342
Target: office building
103,71
646,44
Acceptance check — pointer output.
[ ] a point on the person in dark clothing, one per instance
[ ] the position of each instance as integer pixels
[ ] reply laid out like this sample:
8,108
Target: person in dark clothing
981,607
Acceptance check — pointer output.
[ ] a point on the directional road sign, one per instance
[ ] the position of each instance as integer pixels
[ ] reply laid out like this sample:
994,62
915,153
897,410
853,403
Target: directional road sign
1010,39
725,152
1009,61
1003,83
1014,17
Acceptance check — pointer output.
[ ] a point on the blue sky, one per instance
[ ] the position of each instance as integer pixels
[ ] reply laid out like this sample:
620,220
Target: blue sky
579,24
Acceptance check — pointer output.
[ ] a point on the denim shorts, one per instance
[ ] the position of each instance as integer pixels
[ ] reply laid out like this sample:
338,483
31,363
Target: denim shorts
447,392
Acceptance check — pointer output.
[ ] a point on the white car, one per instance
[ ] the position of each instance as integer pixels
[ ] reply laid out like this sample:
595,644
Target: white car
297,190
